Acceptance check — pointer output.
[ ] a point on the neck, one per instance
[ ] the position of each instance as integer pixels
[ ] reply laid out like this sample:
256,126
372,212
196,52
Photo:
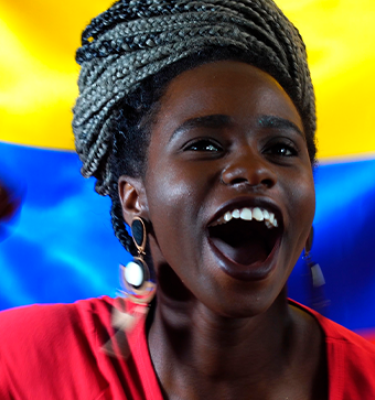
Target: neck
194,349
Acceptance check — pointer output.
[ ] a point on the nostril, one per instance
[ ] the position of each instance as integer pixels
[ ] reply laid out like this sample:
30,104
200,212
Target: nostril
238,181
268,182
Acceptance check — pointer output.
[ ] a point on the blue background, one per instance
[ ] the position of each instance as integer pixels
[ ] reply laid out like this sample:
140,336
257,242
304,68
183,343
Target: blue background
60,247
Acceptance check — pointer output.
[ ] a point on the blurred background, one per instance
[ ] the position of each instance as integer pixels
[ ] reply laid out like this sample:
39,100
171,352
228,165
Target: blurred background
59,246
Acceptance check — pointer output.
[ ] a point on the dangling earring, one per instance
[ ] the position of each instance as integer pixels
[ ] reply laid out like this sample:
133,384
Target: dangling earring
135,278
319,302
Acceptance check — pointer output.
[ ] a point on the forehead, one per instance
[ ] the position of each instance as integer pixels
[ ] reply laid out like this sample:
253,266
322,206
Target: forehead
239,90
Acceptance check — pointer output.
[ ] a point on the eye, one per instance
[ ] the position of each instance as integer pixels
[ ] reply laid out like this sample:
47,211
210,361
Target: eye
204,145
282,149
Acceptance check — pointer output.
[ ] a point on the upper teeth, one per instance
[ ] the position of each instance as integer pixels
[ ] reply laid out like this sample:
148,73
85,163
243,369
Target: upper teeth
248,214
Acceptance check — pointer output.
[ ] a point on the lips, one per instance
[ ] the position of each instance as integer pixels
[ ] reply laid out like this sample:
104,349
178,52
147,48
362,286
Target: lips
246,247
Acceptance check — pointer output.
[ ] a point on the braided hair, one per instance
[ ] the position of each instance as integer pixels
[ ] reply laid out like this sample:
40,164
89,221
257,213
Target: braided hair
134,49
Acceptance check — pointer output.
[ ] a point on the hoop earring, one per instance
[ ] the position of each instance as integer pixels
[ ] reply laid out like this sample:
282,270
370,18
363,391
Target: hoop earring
319,301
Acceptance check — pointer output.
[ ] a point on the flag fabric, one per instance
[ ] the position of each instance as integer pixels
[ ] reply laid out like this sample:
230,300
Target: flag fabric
60,246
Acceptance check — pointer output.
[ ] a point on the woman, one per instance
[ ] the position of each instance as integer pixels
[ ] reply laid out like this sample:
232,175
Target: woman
198,120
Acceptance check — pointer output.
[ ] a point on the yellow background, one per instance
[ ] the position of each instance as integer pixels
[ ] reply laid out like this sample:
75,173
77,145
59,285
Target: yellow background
38,39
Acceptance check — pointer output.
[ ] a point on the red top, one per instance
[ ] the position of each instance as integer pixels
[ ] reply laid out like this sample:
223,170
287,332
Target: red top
55,352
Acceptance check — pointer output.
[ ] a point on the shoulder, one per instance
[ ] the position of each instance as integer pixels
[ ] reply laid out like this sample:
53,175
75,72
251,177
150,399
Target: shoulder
60,340
350,360
338,335
354,346
46,323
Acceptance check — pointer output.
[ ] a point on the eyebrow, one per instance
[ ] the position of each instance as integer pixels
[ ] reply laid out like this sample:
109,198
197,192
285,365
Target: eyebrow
208,121
270,121
220,120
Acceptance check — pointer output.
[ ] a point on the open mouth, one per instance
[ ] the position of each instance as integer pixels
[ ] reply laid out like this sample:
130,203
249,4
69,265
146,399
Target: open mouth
246,236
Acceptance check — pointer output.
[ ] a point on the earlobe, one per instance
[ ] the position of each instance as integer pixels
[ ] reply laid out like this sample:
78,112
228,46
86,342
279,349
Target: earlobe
132,198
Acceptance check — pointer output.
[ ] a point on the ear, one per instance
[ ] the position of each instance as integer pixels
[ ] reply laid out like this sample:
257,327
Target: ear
133,198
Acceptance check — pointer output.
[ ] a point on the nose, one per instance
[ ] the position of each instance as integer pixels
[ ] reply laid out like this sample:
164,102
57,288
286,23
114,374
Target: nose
248,168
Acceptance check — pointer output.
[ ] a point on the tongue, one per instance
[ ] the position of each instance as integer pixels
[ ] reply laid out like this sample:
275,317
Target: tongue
244,253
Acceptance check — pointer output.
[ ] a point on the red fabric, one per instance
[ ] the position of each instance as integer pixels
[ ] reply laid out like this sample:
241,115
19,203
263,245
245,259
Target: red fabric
368,334
351,361
54,352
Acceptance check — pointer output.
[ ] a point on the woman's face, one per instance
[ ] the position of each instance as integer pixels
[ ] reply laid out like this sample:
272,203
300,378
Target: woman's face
227,146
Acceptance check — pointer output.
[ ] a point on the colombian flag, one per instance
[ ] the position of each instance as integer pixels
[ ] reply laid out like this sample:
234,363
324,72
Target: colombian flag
60,246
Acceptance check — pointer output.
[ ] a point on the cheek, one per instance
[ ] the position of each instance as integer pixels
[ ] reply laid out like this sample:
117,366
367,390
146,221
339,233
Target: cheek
175,196
168,191
301,199
308,198
178,185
